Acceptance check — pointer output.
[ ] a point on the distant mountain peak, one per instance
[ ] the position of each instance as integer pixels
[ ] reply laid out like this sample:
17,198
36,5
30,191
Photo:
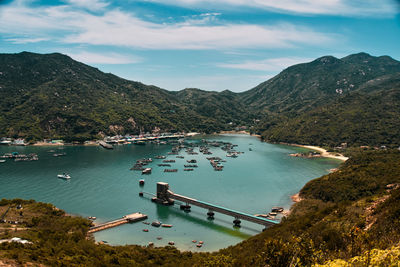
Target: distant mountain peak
327,60
362,56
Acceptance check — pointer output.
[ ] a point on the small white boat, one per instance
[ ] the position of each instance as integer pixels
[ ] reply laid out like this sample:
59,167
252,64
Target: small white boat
2,160
64,176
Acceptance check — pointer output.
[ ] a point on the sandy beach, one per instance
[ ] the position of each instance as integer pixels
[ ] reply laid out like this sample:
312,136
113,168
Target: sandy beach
47,144
325,153
239,132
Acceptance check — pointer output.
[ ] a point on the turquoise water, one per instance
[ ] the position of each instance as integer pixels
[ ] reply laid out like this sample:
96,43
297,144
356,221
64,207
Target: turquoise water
103,186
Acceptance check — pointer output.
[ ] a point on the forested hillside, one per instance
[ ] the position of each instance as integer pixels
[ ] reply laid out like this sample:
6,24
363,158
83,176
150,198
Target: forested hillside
53,96
326,102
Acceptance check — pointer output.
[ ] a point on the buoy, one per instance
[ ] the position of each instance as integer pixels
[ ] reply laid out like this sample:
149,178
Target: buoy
145,230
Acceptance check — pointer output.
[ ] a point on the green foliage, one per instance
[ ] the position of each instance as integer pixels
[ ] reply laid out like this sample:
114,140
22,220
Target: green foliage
356,119
361,176
303,87
303,104
53,96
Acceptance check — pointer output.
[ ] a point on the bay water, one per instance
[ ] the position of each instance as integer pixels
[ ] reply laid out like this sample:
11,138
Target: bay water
103,185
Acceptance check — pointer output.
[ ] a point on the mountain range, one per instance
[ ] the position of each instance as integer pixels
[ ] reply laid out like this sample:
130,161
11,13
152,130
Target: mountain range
328,101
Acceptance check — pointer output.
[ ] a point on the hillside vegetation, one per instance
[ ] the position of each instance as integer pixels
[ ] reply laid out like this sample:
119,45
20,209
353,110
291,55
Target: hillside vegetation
53,96
357,119
353,100
305,86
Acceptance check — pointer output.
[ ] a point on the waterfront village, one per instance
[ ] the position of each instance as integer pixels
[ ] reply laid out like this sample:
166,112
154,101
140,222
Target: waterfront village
117,139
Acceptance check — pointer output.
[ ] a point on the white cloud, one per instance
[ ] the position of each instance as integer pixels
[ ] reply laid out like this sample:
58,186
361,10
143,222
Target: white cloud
118,28
25,40
103,58
326,7
93,5
271,64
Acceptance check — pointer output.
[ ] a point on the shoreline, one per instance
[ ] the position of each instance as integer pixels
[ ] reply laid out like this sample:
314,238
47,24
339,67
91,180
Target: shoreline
239,132
323,152
296,197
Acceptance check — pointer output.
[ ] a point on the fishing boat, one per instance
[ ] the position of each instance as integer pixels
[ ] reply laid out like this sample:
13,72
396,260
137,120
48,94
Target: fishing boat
156,224
146,171
64,176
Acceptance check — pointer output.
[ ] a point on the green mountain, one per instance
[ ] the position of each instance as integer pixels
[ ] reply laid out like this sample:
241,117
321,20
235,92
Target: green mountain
330,101
359,118
305,86
225,105
324,102
53,96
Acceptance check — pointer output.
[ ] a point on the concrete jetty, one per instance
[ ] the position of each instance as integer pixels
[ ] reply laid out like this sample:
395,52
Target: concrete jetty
167,197
130,218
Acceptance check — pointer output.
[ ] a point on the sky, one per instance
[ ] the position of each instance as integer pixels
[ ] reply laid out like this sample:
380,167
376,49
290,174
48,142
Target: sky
206,44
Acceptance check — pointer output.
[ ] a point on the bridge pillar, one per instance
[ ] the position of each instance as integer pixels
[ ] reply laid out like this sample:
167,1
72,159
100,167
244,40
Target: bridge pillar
236,222
185,207
210,215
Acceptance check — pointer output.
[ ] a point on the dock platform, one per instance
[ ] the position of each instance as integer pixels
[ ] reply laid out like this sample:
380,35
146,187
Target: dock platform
130,218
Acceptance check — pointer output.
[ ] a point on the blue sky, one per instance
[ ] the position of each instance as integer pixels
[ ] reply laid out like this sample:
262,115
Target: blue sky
206,44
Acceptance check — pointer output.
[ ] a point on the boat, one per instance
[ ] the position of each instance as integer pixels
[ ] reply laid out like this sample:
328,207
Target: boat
170,170
156,224
277,209
146,171
92,218
64,176
141,182
166,225
2,160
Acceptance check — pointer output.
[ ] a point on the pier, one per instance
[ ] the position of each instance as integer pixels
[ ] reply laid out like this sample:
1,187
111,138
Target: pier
167,197
130,218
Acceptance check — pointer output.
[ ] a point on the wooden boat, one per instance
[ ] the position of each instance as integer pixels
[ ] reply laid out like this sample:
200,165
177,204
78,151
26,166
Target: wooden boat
170,170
